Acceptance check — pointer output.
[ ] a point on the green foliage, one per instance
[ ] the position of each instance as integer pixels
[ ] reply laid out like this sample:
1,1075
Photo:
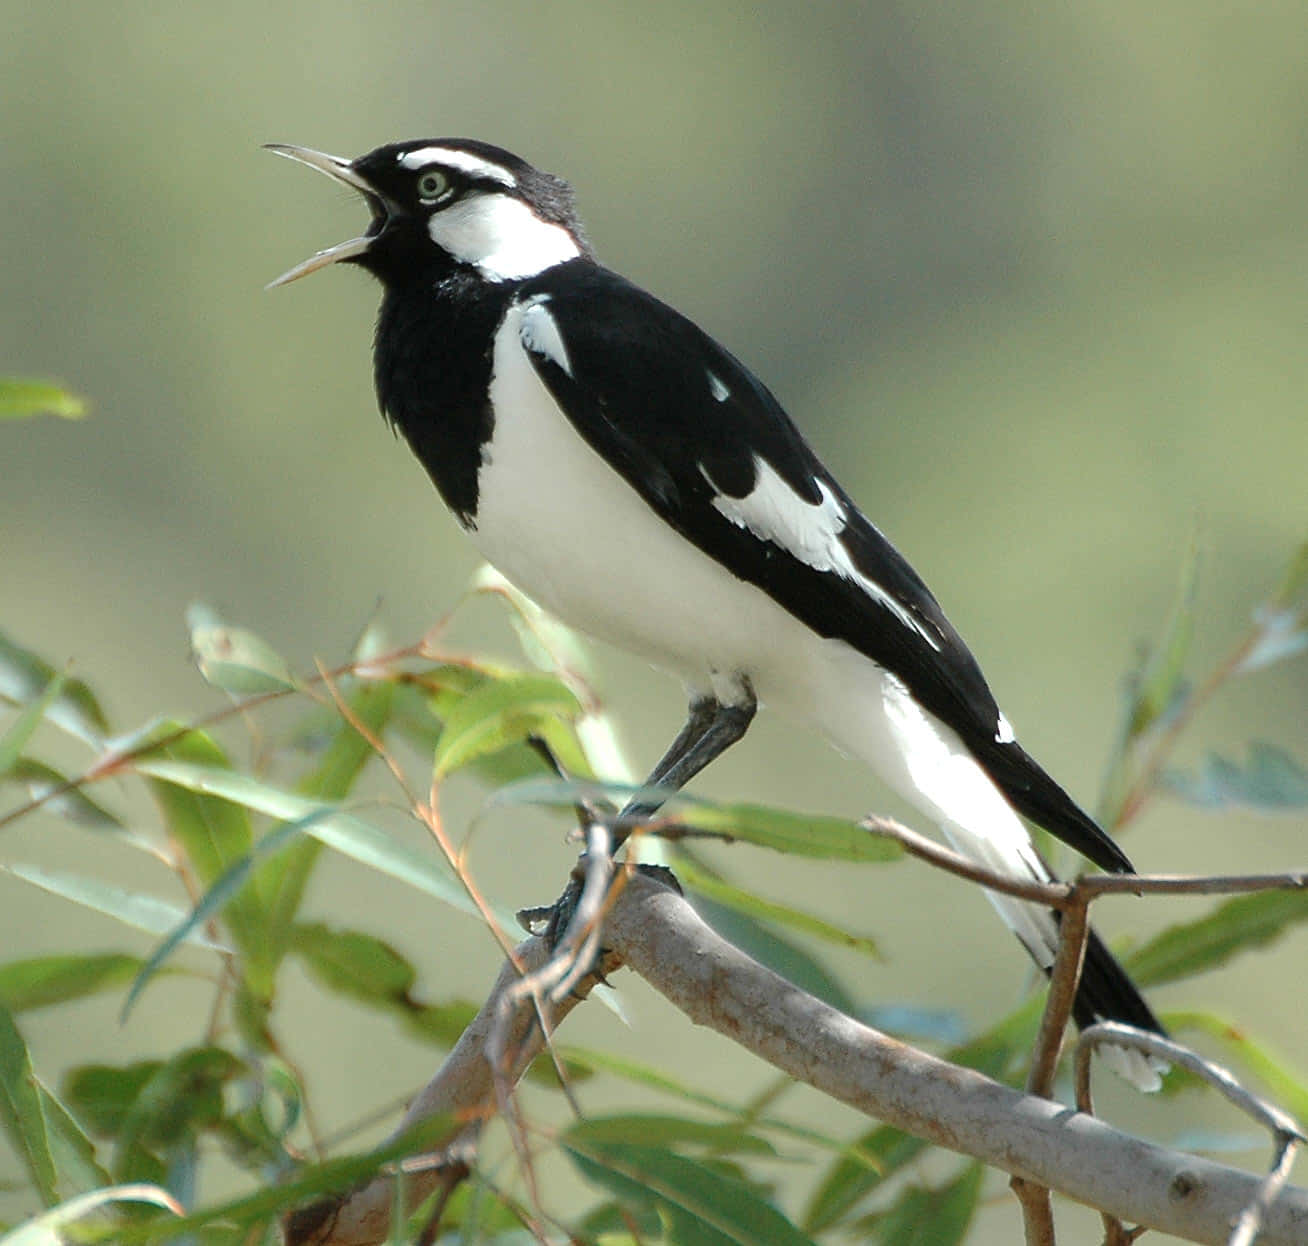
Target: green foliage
123,1148
20,400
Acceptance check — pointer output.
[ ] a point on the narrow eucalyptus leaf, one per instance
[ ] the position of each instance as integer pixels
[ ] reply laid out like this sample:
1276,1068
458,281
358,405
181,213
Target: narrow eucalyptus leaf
44,980
21,730
344,832
1270,781
132,908
42,781
708,1206
24,676
22,399
1231,927
234,658
21,1114
500,712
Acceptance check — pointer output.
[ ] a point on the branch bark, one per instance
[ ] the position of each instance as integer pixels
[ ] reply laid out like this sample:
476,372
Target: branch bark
656,933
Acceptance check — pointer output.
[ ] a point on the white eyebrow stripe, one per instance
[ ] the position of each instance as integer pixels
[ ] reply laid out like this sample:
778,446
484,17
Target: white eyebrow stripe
464,161
808,531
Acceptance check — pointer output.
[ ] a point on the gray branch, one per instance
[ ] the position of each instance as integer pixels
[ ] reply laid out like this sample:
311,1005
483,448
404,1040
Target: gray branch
656,933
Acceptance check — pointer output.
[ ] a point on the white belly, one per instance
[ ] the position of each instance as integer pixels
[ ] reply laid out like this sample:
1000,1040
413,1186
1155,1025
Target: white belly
544,496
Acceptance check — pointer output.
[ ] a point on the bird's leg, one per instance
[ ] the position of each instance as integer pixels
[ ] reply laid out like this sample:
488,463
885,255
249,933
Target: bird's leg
710,729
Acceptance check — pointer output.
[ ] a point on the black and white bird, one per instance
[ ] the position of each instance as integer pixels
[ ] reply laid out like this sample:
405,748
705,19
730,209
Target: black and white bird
633,477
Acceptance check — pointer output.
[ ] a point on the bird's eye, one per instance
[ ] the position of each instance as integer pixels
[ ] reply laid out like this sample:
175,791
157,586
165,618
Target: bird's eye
433,185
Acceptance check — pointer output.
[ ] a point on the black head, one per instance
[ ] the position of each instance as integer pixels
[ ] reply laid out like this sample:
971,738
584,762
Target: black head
449,203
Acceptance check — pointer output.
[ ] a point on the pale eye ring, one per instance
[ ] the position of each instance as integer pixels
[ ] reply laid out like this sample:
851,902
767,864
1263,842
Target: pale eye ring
434,184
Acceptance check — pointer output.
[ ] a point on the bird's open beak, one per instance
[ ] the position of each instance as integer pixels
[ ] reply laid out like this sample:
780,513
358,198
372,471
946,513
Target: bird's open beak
339,171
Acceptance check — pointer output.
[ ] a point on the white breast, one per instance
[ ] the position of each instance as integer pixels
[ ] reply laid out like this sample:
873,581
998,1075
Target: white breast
568,530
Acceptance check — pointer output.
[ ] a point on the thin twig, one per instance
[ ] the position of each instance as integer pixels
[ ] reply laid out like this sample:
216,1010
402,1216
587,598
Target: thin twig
1286,1131
1037,1211
1251,1220
1056,895
1073,930
1093,885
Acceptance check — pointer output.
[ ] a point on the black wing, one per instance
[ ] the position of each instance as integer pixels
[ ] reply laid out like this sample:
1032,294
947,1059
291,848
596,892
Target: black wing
684,422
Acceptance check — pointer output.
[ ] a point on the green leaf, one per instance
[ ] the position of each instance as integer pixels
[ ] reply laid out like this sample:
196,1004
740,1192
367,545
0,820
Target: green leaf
798,834
701,882
499,713
213,831
704,1205
779,954
917,1024
24,726
1159,683
665,1130
24,676
939,1216
1234,926
1289,1089
132,908
661,1082
72,1151
103,1094
234,658
216,835
443,1024
873,1158
344,753
1281,634
1270,782
21,1112
227,891
354,964
72,803
181,1097
347,834
46,980
313,1180
52,1228
22,399
877,1156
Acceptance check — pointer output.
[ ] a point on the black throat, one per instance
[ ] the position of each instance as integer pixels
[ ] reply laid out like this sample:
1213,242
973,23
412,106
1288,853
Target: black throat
432,361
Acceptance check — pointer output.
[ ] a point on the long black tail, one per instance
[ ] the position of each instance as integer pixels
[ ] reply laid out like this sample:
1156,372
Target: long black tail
1106,993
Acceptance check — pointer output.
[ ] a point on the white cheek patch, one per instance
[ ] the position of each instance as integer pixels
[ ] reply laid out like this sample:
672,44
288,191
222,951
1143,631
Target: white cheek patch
501,237
464,161
774,512
540,333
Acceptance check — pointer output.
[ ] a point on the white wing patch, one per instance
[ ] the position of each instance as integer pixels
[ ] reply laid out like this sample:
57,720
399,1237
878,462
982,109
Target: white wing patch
1004,733
464,161
540,332
500,236
717,387
774,512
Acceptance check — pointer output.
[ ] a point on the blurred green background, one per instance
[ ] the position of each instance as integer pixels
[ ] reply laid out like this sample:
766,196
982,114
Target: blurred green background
1032,279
